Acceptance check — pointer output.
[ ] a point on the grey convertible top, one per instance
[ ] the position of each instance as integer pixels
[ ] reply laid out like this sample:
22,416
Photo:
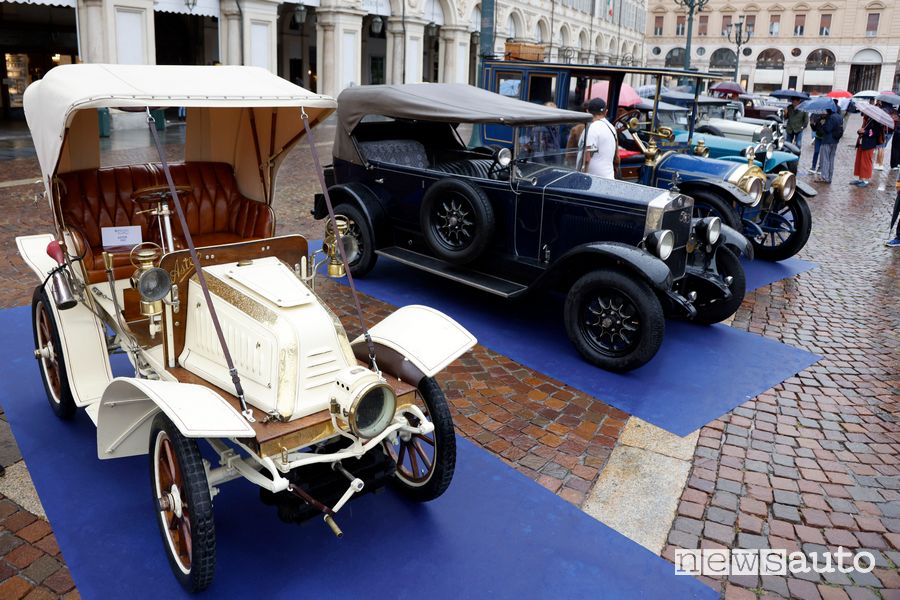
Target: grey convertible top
438,102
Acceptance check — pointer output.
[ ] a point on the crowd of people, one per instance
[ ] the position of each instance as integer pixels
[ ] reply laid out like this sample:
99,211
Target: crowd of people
874,142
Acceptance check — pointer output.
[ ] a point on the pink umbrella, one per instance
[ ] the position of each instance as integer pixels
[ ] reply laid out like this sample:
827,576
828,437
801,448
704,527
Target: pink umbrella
627,95
839,94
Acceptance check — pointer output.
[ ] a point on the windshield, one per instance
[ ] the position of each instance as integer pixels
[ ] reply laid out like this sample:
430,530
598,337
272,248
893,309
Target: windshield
554,145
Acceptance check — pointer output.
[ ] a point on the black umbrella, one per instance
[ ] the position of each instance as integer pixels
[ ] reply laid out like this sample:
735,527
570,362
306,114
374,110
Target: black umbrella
789,94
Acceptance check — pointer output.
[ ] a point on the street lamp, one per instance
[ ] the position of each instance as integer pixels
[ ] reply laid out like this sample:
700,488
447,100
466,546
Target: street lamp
691,6
739,38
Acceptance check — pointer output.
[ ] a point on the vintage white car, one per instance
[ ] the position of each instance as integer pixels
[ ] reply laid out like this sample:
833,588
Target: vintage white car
228,341
725,118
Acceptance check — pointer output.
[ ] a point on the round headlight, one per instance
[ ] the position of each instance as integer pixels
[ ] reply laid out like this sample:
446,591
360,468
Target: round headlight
504,157
661,243
372,411
154,284
712,228
785,185
756,188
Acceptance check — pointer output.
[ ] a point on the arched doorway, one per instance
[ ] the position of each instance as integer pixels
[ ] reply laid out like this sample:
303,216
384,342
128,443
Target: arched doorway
818,78
374,43
723,60
865,70
675,58
769,70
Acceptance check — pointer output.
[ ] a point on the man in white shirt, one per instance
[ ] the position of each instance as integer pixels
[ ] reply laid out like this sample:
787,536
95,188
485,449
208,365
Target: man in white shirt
600,142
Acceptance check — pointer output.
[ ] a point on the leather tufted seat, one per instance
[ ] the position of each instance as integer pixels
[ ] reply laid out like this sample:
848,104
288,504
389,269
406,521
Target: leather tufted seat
215,210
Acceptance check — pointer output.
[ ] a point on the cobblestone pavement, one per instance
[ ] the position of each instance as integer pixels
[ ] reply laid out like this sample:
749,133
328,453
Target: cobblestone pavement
815,462
811,463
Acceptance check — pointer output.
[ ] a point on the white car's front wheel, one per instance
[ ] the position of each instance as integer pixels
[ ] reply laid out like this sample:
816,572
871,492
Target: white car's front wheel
48,353
183,505
425,463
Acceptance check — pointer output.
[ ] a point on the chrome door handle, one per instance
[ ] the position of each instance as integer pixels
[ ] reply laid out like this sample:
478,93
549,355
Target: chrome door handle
379,180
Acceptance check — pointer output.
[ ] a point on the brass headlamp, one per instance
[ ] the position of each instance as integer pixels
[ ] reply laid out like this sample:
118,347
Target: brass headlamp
152,283
330,242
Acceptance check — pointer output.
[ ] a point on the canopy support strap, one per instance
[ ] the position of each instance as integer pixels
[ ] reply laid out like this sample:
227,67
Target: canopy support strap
338,241
259,161
235,378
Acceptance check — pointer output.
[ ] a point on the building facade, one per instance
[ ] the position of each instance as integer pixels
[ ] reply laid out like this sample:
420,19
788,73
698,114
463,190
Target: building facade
323,45
815,46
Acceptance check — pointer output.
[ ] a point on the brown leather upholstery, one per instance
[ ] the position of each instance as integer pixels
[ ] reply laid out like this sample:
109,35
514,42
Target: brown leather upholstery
215,210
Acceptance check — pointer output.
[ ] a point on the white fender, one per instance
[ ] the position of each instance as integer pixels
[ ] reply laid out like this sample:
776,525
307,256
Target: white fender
129,405
80,332
415,342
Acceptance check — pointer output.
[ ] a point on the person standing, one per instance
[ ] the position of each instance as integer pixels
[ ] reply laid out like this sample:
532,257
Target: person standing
880,150
869,136
816,125
895,142
797,120
599,142
832,130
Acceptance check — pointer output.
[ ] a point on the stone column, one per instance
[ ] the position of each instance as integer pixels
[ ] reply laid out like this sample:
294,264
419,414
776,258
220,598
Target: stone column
340,48
454,54
230,34
92,32
394,57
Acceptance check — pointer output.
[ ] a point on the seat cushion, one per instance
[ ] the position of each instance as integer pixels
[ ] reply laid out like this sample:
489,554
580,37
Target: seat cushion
406,153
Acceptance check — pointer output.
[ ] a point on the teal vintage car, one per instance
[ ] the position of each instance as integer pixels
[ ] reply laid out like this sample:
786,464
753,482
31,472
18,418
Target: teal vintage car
677,116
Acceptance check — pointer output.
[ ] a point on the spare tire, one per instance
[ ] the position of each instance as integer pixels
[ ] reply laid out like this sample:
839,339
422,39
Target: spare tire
457,220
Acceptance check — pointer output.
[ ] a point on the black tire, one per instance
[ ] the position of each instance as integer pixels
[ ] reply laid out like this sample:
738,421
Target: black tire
361,230
442,442
594,296
193,563
709,130
780,245
457,220
53,367
715,309
710,204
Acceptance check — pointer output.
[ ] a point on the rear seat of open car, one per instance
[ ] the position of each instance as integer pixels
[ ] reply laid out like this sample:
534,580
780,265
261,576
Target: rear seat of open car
215,210
412,153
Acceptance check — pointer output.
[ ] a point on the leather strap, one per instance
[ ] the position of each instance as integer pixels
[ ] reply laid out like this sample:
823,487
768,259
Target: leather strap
317,167
235,378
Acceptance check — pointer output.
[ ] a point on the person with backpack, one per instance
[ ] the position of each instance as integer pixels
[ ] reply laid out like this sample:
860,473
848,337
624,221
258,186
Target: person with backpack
832,131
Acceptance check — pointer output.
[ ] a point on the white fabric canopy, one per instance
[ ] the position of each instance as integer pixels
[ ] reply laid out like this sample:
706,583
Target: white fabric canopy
66,3
206,8
52,103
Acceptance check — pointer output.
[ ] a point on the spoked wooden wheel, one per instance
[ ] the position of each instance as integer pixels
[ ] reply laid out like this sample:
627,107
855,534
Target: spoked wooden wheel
48,352
425,463
183,505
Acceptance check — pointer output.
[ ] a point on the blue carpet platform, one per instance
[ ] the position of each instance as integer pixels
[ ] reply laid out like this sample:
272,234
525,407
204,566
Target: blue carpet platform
699,373
495,533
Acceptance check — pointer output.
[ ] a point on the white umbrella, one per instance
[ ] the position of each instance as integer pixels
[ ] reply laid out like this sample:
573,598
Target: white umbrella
876,114
867,94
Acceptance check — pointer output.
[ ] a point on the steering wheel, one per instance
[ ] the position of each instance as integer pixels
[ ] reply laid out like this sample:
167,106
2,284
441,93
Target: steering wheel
626,136
158,193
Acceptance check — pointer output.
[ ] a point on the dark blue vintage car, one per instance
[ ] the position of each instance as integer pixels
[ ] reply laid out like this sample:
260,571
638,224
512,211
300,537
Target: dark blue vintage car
769,207
512,222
